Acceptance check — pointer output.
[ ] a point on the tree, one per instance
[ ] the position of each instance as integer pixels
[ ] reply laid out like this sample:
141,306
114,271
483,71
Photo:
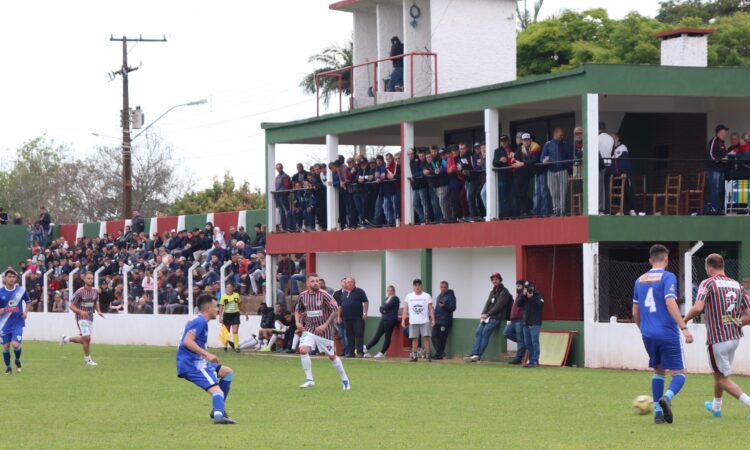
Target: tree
331,58
675,11
526,17
222,196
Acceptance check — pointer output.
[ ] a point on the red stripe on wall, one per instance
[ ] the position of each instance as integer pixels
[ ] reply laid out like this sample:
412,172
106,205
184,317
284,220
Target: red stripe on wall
549,231
114,225
224,220
68,231
164,224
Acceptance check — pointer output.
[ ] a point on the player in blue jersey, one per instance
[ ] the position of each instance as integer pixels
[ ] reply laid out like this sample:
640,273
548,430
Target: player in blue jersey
13,311
200,367
656,313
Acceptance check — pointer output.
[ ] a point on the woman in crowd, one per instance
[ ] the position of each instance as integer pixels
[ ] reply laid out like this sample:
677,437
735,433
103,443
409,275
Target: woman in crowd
388,319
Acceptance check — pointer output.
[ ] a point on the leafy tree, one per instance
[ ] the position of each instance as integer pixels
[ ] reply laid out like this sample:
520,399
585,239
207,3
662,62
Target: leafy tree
331,58
222,196
675,11
729,45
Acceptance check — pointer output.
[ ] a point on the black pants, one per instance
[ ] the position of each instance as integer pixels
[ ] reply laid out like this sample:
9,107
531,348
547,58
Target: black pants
440,339
355,333
385,328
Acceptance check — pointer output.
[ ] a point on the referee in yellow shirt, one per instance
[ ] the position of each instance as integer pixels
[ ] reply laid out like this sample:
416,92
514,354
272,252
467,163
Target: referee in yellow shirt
229,315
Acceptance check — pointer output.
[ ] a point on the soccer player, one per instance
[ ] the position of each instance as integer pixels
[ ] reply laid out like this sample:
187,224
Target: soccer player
421,314
200,367
85,303
229,315
314,316
726,310
656,313
13,311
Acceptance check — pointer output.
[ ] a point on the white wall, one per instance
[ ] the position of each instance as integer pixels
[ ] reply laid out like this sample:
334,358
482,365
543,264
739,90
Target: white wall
475,41
467,271
401,268
126,329
418,40
727,111
365,267
688,51
365,49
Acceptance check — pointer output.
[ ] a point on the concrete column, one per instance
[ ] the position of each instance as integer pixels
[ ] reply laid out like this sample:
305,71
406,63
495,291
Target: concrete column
332,195
270,186
591,157
590,300
492,140
407,142
270,281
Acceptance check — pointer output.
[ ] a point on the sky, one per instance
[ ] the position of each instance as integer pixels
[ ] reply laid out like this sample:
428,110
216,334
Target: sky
245,57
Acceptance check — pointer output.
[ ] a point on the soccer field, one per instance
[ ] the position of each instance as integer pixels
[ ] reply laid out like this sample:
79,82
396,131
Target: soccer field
134,400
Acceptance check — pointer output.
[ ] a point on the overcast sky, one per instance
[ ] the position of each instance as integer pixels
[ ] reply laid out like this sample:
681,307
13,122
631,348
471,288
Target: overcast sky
245,57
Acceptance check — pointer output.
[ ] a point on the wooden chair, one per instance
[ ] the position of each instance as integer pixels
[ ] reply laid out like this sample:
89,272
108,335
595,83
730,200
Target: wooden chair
692,199
671,196
576,197
617,194
640,193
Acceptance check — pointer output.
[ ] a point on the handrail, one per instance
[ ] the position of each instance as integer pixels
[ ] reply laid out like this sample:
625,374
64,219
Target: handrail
23,278
70,285
125,297
222,274
338,73
156,287
191,300
45,289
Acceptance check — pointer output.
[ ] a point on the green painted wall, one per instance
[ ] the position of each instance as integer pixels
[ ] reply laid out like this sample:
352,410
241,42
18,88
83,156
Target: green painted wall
667,228
13,239
195,221
91,229
253,217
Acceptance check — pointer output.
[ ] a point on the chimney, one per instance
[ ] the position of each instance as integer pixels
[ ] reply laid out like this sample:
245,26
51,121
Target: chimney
685,47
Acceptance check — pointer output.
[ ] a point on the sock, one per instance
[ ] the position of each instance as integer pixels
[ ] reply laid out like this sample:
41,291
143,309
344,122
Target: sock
295,342
17,352
247,343
340,368
264,342
745,399
87,357
272,341
657,390
717,403
6,357
236,339
307,366
218,401
225,383
66,339
678,381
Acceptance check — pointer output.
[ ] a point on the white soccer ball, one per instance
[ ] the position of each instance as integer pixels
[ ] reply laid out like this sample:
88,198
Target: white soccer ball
643,404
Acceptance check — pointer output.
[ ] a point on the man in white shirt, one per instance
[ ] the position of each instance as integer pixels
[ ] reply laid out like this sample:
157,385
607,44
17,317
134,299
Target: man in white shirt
421,314
606,143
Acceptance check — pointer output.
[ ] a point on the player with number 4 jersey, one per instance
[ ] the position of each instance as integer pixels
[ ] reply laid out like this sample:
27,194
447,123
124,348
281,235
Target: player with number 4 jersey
656,313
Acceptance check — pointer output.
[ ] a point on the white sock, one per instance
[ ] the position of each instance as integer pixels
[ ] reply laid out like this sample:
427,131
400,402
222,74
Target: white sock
87,358
745,399
272,341
717,404
307,366
295,342
248,343
340,368
66,339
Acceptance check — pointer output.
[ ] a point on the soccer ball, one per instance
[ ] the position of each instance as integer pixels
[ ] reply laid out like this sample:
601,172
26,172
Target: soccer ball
643,404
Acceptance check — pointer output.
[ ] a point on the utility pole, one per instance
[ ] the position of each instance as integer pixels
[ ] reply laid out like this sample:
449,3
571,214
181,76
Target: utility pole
127,184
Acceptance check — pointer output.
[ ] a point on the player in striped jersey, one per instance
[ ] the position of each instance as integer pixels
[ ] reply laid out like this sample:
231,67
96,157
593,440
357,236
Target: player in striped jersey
725,306
314,315
84,304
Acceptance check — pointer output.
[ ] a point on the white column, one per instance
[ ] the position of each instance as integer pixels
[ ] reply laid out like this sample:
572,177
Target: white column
96,276
191,281
271,177
125,295
590,298
407,142
688,281
156,287
270,281
23,279
591,146
332,195
45,289
222,276
70,286
492,140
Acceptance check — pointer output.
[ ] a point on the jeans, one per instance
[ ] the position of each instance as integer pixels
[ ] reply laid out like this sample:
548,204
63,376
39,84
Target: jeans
397,79
359,203
422,204
504,196
521,193
482,336
443,195
483,195
440,339
282,282
378,216
472,197
385,329
542,201
282,204
355,333
531,339
437,213
296,278
341,330
348,201
390,203
514,332
714,186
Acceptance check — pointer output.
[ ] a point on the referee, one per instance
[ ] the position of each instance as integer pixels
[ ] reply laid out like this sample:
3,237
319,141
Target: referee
229,315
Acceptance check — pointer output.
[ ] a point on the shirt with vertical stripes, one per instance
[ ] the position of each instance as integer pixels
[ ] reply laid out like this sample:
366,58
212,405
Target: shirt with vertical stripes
85,299
316,307
725,300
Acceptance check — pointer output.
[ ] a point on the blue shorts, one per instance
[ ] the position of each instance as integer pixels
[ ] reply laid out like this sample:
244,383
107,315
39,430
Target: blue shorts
14,335
665,354
201,373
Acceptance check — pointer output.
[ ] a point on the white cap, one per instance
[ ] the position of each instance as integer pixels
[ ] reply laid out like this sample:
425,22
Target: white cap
526,136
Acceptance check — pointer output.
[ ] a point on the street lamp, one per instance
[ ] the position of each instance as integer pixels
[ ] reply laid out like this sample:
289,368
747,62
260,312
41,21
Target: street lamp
127,185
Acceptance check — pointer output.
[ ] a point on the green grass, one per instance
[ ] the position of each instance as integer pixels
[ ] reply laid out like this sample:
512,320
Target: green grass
134,400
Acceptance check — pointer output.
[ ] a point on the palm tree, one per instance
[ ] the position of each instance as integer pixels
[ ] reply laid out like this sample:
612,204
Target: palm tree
526,17
331,58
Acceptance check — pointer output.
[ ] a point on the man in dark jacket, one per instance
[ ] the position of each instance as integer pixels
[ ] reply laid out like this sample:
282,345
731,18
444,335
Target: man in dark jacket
716,154
446,305
495,310
514,328
137,224
532,303
396,81
504,159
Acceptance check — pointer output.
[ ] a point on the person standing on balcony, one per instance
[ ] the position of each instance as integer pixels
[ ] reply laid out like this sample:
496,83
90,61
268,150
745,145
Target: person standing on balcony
282,183
621,166
391,190
417,162
559,155
431,170
717,157
396,82
606,143
522,175
503,159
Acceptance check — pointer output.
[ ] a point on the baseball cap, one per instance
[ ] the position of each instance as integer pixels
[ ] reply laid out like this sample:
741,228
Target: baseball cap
169,285
496,275
520,282
504,137
477,144
526,136
173,230
721,127
577,130
10,270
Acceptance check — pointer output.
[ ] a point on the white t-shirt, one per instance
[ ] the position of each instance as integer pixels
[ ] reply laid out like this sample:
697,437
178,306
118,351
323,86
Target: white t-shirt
605,147
419,311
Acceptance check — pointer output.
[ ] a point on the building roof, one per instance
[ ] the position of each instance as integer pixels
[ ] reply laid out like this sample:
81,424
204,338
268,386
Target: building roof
680,31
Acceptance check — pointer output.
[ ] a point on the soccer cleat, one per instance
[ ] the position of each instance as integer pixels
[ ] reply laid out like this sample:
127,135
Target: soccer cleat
225,349
222,420
237,350
709,405
380,355
346,384
666,406
18,366
515,361
659,419
91,362
474,358
367,355
413,357
8,371
63,340
468,358
265,349
307,384
211,414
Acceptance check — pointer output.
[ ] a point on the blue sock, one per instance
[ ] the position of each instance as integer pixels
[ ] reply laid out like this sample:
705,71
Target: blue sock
678,381
17,352
6,357
657,390
225,383
218,400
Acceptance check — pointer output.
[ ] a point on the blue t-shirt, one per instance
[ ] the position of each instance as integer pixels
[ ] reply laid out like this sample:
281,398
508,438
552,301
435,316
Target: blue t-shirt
199,327
12,304
650,294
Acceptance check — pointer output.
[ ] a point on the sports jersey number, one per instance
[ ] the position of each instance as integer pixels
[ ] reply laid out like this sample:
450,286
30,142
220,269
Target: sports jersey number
650,303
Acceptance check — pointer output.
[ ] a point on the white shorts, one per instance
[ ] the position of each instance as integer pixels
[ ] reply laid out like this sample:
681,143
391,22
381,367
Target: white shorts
86,327
323,345
417,330
721,355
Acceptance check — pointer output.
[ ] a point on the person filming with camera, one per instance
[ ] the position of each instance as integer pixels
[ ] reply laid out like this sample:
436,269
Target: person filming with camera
532,303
